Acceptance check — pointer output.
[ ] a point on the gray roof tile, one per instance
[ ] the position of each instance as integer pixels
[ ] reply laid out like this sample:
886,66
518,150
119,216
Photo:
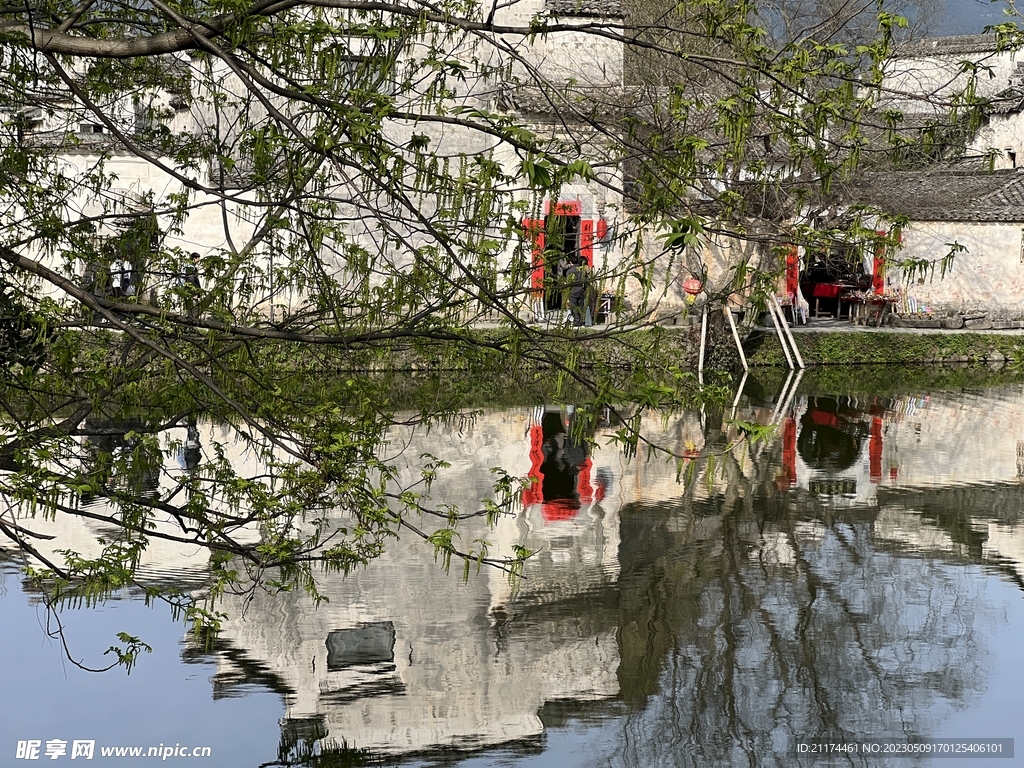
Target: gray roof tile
601,8
1008,102
957,45
947,194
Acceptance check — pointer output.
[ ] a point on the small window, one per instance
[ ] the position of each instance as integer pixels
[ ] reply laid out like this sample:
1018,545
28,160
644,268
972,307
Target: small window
91,128
372,643
143,117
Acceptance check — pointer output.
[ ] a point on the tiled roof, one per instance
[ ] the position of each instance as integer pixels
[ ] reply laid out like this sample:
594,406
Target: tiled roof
1010,101
956,45
601,8
1007,197
944,195
580,102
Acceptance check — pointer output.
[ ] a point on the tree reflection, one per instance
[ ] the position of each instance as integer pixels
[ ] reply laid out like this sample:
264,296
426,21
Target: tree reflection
740,617
754,618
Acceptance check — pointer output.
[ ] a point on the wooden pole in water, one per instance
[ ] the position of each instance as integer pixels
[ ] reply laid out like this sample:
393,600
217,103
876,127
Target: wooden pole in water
782,337
792,393
739,394
703,344
777,412
736,337
789,333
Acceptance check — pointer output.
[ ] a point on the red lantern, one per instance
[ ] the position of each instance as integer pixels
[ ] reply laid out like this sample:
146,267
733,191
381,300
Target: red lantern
692,286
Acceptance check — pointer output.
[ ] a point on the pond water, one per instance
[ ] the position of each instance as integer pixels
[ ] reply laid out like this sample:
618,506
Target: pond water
857,576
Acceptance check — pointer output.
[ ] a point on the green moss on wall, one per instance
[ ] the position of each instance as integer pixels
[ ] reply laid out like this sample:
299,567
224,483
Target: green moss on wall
857,348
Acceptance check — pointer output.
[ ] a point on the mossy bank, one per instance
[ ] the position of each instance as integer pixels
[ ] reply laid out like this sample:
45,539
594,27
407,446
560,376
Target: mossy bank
889,348
477,349
474,350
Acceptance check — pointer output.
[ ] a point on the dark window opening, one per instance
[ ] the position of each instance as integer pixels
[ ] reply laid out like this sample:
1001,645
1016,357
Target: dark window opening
562,247
368,644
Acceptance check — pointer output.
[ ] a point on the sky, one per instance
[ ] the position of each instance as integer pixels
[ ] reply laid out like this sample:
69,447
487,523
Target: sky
970,16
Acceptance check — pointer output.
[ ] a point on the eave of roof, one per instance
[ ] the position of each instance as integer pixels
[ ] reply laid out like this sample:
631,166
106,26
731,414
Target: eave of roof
946,194
592,8
956,45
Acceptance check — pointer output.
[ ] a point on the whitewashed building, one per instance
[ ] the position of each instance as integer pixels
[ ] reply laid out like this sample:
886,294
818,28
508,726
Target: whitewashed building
962,248
217,225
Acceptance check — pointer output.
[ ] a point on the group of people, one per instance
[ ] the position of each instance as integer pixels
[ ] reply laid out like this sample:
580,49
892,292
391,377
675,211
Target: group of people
123,281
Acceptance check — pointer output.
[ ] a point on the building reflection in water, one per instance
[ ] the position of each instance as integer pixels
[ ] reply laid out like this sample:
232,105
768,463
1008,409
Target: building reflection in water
563,476
796,593
824,584
430,660
109,457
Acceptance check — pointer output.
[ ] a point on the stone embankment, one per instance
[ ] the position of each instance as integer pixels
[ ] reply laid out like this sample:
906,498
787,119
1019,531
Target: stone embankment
976,321
661,347
843,344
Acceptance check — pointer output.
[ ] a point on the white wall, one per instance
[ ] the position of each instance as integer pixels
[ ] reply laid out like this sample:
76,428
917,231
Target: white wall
989,276
1002,139
913,82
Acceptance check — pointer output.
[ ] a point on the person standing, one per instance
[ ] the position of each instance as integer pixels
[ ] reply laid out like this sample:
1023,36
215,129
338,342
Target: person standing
127,278
121,278
115,279
575,279
190,286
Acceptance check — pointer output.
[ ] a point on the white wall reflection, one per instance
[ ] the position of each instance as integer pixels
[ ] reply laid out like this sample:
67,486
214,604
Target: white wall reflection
827,555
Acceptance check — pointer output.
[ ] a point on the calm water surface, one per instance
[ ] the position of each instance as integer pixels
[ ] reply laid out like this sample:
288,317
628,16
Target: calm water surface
858,576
